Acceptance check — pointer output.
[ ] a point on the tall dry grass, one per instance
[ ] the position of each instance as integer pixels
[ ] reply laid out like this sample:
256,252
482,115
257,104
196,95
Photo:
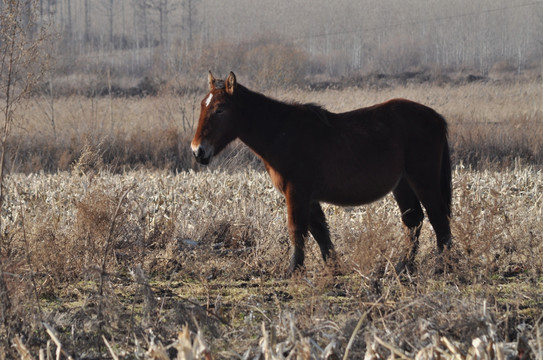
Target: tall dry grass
93,253
112,258
491,124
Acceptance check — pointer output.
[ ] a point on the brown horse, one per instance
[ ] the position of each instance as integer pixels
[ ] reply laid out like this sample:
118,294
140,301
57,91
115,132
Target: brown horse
351,158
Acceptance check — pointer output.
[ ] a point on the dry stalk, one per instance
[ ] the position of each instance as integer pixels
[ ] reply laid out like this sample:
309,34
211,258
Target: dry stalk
21,349
4,298
392,349
30,267
157,351
52,333
357,329
109,244
148,295
188,349
450,346
190,197
115,357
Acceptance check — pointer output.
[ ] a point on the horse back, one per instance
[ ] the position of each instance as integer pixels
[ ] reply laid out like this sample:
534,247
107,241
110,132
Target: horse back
354,157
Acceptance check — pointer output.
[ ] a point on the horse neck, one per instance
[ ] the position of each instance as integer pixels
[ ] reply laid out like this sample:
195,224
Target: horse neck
262,119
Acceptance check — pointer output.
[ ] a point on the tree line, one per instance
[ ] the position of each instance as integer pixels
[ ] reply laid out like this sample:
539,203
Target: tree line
162,37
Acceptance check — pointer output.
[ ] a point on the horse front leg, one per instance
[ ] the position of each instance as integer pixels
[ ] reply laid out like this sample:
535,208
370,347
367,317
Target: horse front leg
298,225
320,231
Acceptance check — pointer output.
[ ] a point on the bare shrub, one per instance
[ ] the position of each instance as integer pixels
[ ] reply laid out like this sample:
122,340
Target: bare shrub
267,61
271,64
371,237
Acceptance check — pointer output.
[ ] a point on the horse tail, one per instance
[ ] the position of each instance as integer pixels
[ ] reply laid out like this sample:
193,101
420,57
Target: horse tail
446,178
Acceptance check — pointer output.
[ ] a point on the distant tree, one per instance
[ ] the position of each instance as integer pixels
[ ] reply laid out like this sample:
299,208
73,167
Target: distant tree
108,6
163,8
52,8
68,26
87,22
110,14
141,19
190,19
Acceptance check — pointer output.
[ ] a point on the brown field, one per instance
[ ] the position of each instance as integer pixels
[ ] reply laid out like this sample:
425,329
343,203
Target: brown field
491,124
117,261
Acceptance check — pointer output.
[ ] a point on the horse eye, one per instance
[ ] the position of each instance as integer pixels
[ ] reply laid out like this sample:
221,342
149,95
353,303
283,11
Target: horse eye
219,111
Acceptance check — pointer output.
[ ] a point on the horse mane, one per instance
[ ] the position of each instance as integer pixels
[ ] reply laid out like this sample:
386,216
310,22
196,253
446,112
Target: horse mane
318,110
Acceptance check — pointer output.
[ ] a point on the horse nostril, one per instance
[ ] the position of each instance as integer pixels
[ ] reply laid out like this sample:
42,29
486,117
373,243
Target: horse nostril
198,152
201,154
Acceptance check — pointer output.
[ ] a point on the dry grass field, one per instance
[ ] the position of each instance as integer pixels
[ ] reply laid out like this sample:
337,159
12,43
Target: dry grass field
491,124
112,256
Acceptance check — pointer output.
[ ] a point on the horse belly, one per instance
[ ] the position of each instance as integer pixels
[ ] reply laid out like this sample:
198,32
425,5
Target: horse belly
357,168
361,187
355,195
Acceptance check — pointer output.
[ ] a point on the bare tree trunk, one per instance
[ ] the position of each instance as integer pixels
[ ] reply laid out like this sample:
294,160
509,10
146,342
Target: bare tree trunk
166,25
5,303
110,20
111,14
60,12
87,22
25,16
190,20
123,25
52,9
41,12
145,29
68,32
161,14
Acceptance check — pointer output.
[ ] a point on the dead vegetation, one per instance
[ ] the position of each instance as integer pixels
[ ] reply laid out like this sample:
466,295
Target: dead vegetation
129,259
118,256
491,124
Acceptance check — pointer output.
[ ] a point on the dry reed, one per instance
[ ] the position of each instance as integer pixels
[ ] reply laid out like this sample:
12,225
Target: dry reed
214,246
490,123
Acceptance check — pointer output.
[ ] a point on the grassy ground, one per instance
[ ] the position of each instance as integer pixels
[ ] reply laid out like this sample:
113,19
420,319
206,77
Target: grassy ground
116,252
133,257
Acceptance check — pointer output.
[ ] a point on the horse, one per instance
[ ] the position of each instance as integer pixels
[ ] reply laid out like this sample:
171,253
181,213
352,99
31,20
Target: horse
347,159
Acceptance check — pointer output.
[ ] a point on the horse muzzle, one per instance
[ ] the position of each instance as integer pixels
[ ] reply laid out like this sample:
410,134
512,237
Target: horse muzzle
202,154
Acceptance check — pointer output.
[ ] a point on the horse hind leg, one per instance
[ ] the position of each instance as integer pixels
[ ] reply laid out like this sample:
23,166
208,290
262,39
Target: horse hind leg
429,175
412,217
438,215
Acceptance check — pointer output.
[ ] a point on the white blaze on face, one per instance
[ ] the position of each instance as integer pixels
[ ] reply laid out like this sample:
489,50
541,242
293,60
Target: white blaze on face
208,100
194,147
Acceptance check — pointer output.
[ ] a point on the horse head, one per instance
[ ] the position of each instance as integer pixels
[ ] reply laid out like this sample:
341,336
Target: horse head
216,125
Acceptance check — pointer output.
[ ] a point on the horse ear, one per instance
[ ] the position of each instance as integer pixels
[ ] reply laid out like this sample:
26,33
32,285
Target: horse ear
211,81
230,83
